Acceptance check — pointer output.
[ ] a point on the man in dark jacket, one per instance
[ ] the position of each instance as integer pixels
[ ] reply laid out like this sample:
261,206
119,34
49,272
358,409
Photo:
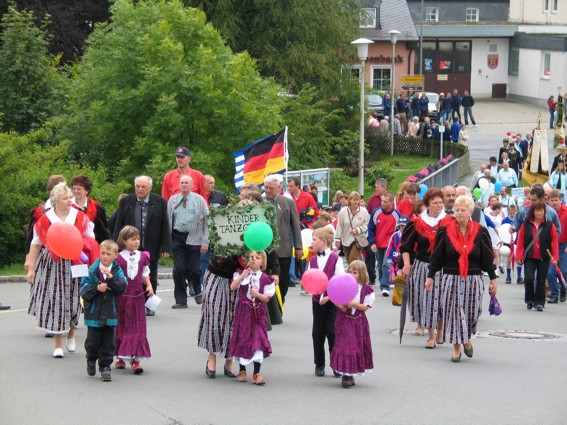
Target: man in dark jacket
456,102
147,212
468,103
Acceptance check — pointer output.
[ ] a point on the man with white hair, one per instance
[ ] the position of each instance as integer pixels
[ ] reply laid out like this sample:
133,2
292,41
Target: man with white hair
288,225
478,174
507,176
147,212
477,214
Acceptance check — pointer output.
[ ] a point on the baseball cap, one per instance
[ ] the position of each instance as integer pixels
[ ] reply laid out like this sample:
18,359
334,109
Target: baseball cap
182,151
403,221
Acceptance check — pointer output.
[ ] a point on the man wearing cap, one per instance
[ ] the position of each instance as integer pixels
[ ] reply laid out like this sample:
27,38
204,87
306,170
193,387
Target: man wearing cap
170,185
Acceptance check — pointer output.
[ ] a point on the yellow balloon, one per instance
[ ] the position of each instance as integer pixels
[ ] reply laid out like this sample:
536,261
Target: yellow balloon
305,252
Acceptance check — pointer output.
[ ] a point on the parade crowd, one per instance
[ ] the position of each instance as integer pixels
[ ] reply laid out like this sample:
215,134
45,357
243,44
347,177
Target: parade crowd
440,241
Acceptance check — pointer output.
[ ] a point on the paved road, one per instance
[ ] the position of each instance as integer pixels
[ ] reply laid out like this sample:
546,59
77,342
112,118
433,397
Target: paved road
509,380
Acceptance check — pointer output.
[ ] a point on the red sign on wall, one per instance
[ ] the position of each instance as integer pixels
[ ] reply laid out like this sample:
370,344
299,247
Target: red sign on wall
492,61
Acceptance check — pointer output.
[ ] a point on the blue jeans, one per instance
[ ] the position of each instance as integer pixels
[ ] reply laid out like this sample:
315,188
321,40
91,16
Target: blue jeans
467,112
552,277
445,115
382,269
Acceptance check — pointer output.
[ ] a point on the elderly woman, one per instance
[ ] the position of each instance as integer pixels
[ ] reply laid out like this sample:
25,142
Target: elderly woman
462,252
339,199
54,295
82,186
417,243
352,221
536,238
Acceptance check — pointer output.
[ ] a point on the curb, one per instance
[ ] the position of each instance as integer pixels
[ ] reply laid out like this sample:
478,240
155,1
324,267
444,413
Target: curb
22,278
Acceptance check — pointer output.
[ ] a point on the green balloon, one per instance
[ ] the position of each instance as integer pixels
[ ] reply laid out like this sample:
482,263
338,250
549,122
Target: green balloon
258,236
477,193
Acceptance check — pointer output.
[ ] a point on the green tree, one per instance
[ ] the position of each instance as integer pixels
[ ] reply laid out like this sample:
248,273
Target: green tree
31,89
158,76
296,42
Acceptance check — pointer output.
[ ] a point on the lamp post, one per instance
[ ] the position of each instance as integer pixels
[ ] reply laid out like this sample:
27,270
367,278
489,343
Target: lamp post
421,39
394,39
362,45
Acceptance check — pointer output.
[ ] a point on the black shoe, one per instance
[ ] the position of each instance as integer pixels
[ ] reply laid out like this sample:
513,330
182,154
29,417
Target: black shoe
291,285
49,335
198,299
539,307
508,281
319,370
563,296
178,306
4,307
210,373
346,382
529,306
91,367
520,281
501,269
105,374
228,373
456,359
149,312
552,300
337,374
468,353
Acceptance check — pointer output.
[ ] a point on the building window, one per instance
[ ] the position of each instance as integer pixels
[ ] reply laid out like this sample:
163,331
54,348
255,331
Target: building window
368,18
513,61
546,65
381,78
547,4
471,14
554,6
431,14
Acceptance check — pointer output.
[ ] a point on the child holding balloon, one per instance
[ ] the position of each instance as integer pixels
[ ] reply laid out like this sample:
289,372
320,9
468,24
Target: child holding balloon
324,311
131,340
249,342
352,354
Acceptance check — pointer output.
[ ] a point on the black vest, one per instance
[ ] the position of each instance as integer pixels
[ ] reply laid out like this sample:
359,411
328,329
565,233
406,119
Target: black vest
544,239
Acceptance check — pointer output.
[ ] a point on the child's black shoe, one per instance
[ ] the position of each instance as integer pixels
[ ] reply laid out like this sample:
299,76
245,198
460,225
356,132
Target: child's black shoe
91,367
105,374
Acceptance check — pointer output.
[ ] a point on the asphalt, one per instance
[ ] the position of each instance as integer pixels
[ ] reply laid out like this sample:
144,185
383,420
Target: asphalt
517,374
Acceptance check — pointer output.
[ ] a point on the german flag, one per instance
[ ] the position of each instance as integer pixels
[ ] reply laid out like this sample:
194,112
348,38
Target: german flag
265,156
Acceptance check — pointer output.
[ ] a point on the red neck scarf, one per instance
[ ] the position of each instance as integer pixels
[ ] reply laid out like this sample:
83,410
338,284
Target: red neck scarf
463,244
429,232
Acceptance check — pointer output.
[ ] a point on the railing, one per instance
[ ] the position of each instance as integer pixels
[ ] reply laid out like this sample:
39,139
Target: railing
447,175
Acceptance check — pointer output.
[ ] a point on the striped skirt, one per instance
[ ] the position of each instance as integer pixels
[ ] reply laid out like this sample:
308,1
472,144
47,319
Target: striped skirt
54,295
424,306
217,314
462,306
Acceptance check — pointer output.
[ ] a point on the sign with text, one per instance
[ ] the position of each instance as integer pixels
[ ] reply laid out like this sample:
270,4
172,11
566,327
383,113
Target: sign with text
413,79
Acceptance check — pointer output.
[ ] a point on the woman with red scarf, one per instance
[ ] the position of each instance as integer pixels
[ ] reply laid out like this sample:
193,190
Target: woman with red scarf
54,295
417,243
82,186
462,252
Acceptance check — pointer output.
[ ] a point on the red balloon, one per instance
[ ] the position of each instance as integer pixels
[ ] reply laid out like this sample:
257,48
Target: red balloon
314,281
65,240
342,288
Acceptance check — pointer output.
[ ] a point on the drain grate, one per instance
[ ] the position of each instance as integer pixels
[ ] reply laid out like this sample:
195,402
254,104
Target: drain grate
523,335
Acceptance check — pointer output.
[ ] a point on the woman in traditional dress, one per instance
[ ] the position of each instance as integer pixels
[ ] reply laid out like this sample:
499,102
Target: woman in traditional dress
82,186
417,243
462,252
352,221
54,295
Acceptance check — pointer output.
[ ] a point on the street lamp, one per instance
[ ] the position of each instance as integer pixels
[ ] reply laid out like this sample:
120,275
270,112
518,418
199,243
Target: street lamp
362,45
394,39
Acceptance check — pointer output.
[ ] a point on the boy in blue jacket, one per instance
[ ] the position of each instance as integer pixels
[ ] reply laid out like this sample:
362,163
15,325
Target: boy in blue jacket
99,290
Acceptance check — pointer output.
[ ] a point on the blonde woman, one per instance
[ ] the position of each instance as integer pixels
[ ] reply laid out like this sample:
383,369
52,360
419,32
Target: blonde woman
353,220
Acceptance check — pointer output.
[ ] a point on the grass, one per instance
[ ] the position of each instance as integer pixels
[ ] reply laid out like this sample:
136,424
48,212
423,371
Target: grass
12,270
405,166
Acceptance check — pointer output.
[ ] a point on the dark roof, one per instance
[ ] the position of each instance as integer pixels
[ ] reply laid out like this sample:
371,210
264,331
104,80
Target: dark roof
394,15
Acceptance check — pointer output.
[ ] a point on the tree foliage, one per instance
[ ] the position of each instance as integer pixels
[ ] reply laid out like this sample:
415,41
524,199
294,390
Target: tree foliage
31,88
70,22
296,42
158,76
26,162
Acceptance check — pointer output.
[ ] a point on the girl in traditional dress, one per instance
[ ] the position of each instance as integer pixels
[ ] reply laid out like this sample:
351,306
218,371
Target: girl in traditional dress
54,294
417,243
249,342
461,253
131,340
352,353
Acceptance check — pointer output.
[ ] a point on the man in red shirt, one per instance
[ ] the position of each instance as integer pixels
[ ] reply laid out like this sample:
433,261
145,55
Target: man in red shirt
304,202
170,185
558,292
375,201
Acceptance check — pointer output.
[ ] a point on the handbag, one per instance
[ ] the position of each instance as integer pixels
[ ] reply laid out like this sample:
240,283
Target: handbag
360,239
494,308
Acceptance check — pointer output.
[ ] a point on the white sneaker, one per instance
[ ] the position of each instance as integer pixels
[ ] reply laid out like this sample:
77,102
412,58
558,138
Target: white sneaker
58,353
385,293
71,345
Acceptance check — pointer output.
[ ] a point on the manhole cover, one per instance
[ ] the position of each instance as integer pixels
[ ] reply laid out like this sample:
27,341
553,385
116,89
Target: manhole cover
523,335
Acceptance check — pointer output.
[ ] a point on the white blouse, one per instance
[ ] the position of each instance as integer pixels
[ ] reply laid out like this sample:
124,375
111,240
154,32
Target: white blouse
71,217
253,281
132,262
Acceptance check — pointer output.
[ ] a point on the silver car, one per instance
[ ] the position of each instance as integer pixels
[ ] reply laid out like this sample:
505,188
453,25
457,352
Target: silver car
374,104
432,107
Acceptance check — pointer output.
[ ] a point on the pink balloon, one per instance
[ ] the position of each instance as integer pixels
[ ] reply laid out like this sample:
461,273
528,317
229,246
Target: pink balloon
342,288
65,240
314,281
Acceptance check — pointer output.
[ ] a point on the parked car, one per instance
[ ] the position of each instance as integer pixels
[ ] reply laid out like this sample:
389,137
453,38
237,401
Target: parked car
374,104
433,112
